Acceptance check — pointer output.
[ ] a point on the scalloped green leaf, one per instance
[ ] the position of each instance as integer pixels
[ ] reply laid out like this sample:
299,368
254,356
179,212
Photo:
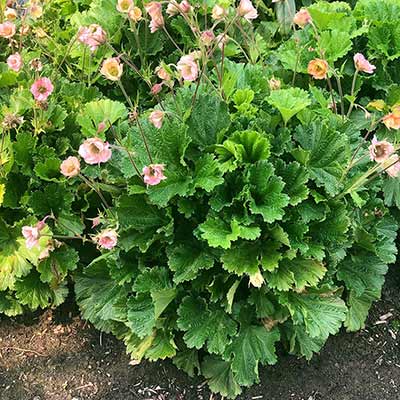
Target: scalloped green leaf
322,314
204,325
220,377
254,345
208,117
266,192
289,102
325,167
187,260
98,111
219,233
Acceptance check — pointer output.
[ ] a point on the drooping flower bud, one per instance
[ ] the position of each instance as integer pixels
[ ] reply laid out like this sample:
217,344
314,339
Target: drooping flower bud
156,118
362,64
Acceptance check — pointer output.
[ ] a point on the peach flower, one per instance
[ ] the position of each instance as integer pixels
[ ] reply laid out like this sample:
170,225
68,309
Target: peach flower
135,14
172,8
247,10
362,64
156,118
302,18
112,69
14,62
36,65
274,84
36,11
107,239
42,89
95,151
70,167
218,13
124,6
7,30
162,73
392,120
318,68
380,150
153,174
154,9
10,14
188,68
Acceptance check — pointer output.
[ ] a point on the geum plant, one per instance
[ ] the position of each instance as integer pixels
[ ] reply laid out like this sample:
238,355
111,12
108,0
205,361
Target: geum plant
243,210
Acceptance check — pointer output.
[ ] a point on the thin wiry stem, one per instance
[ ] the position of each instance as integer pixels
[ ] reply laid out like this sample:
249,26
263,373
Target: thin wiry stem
132,161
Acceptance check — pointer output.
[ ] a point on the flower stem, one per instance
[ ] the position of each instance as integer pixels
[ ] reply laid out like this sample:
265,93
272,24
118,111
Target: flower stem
97,190
332,96
132,161
353,86
171,39
144,139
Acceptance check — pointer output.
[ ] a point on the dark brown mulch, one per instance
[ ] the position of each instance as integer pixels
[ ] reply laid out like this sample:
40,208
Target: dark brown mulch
57,356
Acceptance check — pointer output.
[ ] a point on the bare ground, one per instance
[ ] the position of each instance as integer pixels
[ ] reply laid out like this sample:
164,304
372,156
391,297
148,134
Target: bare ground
57,356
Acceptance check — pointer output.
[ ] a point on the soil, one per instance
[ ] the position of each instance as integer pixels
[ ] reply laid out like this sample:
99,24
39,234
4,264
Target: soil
57,356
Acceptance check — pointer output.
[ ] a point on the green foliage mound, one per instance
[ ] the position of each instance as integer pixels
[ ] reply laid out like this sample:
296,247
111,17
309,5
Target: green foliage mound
242,205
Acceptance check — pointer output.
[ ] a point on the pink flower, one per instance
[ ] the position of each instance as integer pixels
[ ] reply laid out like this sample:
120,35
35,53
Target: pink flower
32,233
302,18
394,168
7,30
42,89
185,6
154,9
247,10
14,62
362,64
70,167
92,36
156,118
96,221
156,89
95,151
188,68
380,151
135,14
173,7
107,239
207,37
101,127
154,174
